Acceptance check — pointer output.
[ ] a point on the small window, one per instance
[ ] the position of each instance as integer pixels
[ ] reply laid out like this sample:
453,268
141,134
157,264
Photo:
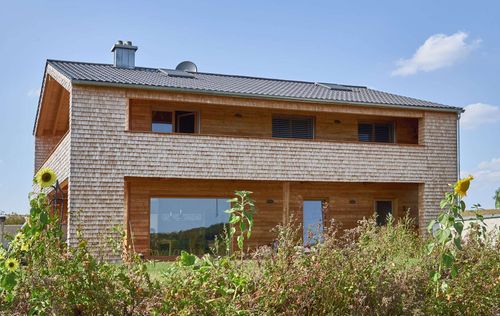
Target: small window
383,209
376,132
293,127
164,122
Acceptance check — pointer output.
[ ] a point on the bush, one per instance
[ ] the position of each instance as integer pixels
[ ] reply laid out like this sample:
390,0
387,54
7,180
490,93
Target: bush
369,270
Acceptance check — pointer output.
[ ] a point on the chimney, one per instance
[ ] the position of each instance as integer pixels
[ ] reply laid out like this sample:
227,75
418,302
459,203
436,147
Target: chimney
124,54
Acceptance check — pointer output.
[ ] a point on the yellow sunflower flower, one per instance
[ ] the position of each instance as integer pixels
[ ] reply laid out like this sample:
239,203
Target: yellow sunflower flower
462,186
11,264
25,246
45,177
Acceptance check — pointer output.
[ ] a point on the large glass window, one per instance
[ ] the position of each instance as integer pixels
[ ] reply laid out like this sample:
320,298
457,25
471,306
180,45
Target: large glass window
189,224
313,222
178,121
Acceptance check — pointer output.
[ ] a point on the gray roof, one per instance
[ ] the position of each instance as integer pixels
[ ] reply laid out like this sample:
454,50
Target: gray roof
234,85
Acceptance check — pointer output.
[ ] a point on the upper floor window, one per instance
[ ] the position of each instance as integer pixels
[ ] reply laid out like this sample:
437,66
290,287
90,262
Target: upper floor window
293,127
177,121
376,132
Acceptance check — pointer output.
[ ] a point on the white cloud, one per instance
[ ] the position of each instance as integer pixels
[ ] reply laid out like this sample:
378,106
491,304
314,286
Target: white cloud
486,181
35,92
439,50
478,114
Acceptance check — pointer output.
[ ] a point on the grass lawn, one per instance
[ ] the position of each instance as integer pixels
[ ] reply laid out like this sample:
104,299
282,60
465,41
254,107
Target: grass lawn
156,268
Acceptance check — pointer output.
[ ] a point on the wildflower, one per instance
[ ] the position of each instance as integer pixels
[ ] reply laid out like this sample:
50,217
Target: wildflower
11,264
462,186
45,177
24,246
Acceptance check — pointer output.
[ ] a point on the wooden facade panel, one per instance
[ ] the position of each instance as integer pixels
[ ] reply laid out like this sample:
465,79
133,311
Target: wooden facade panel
269,202
241,121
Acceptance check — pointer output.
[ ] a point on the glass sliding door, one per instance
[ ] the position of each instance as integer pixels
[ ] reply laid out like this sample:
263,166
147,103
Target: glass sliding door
312,222
189,224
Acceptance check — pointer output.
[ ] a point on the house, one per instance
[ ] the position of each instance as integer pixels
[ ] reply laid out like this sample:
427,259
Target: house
159,151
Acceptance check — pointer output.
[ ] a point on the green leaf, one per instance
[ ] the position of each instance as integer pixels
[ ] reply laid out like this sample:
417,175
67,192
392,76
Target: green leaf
435,276
240,242
454,271
443,204
462,205
232,231
431,225
187,259
234,219
458,242
447,259
243,226
443,235
430,248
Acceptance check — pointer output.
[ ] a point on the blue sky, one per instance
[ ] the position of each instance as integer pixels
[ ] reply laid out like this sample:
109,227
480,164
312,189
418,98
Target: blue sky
443,51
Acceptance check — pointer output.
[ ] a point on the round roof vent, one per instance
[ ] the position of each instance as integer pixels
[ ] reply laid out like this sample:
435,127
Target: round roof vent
187,66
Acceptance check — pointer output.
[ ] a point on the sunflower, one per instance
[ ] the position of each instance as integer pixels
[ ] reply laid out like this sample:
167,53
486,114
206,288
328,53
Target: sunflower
462,186
11,264
45,177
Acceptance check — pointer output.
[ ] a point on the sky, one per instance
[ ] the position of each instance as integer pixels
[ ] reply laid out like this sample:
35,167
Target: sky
443,51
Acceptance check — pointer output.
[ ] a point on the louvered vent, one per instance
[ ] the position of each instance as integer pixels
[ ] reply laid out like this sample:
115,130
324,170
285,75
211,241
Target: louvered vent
293,127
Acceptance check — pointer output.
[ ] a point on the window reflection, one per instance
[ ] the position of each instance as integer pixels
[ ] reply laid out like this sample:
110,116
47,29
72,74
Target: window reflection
189,224
313,222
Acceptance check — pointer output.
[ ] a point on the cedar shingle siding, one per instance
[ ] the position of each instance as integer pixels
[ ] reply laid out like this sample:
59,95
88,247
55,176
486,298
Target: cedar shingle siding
98,153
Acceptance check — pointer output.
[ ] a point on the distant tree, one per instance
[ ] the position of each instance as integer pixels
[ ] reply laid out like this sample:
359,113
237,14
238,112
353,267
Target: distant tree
496,197
14,219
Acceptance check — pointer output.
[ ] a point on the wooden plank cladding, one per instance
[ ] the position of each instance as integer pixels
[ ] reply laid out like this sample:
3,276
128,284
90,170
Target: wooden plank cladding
257,122
275,202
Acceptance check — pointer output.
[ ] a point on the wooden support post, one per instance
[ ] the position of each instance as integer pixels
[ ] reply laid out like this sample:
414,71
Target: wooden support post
286,202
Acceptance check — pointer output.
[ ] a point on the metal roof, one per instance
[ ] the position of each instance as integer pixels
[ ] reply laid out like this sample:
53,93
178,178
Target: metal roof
235,85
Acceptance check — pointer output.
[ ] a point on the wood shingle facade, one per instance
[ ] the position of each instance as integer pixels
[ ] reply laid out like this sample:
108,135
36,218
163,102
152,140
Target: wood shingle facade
114,165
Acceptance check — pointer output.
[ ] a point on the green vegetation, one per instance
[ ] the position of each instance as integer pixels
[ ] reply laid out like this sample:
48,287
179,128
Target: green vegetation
14,219
369,270
496,197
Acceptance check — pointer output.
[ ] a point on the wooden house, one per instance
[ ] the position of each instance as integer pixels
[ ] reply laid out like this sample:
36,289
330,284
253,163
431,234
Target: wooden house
159,151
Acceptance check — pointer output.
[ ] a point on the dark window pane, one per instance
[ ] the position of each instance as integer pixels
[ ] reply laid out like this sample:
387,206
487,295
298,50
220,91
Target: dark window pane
383,209
284,127
185,122
313,222
365,132
189,224
162,122
383,133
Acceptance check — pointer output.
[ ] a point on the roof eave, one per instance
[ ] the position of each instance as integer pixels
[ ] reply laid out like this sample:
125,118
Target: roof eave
259,96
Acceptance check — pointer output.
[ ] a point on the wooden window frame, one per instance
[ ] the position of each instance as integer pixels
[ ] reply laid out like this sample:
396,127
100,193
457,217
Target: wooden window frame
174,118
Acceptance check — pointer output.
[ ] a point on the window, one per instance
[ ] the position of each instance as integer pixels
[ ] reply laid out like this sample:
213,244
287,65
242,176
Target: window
312,221
163,122
376,132
383,209
293,127
189,224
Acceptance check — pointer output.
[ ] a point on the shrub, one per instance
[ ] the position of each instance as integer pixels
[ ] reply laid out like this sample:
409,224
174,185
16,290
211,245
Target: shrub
369,270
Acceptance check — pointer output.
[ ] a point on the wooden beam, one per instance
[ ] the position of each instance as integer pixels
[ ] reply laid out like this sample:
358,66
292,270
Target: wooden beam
58,110
286,202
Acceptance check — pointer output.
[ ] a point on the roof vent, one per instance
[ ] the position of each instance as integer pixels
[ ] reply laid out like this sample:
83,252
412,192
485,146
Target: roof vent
124,54
187,66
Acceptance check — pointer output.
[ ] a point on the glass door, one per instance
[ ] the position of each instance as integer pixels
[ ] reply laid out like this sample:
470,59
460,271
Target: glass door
312,222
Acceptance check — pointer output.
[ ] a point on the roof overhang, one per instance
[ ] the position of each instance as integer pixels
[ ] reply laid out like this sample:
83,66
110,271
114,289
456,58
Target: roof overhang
259,96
